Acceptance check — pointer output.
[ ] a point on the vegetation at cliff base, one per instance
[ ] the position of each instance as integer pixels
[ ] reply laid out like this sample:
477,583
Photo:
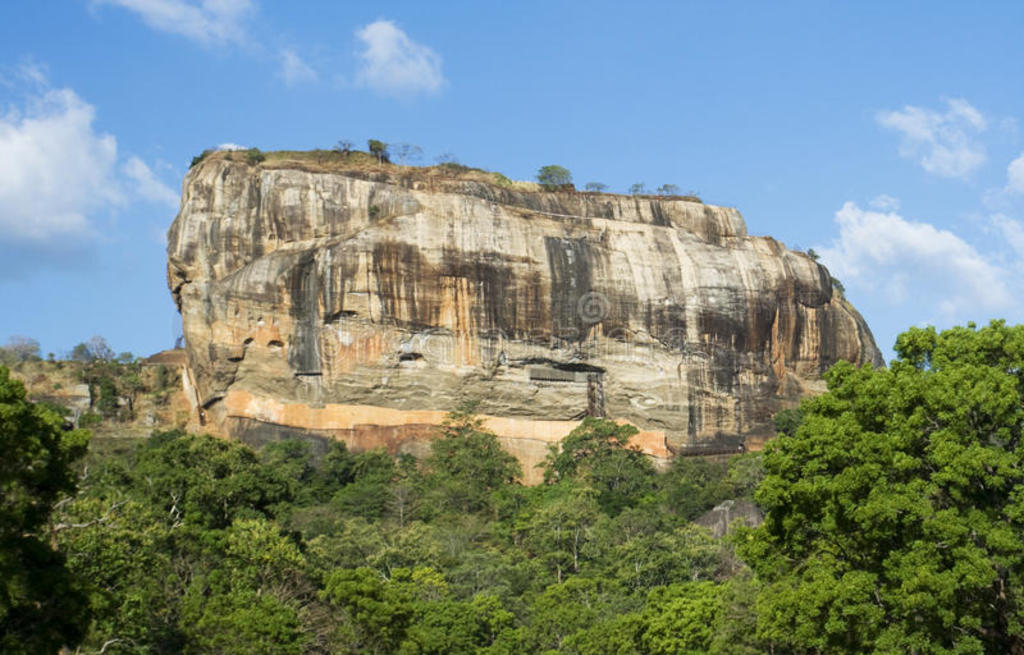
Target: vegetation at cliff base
182,543
893,523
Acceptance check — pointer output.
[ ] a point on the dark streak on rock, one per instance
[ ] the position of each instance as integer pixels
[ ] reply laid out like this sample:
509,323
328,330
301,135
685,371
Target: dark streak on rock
569,262
304,350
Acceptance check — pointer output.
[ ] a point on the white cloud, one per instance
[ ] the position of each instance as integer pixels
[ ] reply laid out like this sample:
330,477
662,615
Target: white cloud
885,202
294,70
211,22
1015,175
885,254
1011,232
55,169
231,146
942,142
394,64
147,186
58,174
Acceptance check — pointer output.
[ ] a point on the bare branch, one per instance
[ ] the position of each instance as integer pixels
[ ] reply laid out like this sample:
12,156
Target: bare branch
57,527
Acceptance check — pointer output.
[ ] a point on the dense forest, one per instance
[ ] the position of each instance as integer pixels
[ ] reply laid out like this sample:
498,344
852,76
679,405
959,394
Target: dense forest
893,503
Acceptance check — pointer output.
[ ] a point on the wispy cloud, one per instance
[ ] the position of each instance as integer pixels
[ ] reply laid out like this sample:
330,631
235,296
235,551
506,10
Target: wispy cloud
294,70
885,202
210,22
394,64
1012,234
943,142
146,184
1015,175
882,253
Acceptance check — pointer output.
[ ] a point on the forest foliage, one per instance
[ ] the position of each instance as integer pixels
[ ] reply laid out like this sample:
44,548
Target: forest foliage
894,522
188,543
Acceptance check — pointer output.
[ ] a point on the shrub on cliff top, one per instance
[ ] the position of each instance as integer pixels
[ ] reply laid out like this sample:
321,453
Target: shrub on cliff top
200,157
552,177
378,149
253,156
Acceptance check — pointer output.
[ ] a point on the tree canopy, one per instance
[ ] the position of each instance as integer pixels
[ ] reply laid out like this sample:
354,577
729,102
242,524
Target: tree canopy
378,149
596,452
895,511
186,543
553,177
42,606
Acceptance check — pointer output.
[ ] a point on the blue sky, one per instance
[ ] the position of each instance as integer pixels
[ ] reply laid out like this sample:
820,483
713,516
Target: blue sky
887,136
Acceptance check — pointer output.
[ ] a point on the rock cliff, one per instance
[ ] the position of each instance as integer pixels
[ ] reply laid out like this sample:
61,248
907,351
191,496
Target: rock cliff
363,303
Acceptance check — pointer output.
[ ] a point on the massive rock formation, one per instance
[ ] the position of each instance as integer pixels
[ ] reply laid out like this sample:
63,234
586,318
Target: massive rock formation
362,304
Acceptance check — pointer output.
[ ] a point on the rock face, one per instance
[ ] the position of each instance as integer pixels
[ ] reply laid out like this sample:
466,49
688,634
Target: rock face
722,519
363,305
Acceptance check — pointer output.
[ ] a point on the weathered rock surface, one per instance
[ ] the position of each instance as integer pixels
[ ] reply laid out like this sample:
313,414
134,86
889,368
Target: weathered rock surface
724,517
302,290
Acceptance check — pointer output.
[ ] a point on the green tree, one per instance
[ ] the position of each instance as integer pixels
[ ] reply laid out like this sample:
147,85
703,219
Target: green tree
106,396
745,474
595,186
130,385
378,149
693,485
126,556
467,464
367,494
637,189
204,481
653,560
558,530
553,177
895,514
292,461
201,156
42,606
561,611
668,190
617,635
248,601
787,421
679,619
596,451
253,156
383,610
334,470
736,622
